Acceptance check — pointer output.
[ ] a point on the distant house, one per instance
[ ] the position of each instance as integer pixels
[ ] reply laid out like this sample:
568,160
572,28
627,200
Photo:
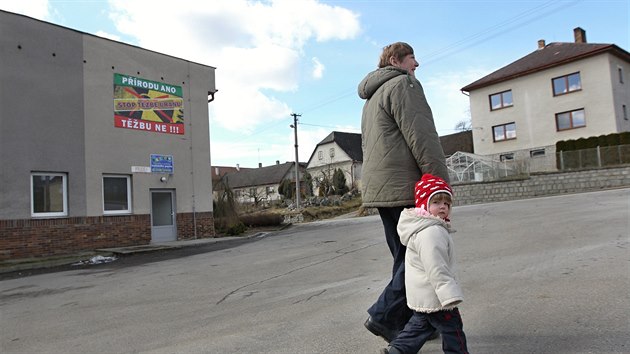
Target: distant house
461,142
561,91
255,185
217,174
343,151
337,151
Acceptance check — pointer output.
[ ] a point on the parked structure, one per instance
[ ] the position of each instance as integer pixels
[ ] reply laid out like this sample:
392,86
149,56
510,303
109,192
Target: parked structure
337,151
103,144
561,91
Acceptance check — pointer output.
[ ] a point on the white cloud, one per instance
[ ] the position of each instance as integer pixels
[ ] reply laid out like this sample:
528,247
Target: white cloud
255,45
108,35
449,105
38,9
318,68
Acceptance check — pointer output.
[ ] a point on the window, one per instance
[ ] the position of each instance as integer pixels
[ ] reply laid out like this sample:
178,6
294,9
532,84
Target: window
501,100
252,192
566,84
320,155
116,194
49,194
504,132
332,152
506,157
269,190
620,71
537,153
570,120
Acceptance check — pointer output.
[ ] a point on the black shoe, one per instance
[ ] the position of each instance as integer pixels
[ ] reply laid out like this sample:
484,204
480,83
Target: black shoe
380,330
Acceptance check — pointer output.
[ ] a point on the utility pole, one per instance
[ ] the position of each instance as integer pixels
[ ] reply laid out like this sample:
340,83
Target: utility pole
297,162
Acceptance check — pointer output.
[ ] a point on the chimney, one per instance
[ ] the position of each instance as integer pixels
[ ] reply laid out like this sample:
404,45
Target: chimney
277,162
238,168
260,165
579,34
541,43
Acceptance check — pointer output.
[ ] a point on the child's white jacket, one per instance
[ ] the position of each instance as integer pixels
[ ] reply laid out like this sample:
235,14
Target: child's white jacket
429,262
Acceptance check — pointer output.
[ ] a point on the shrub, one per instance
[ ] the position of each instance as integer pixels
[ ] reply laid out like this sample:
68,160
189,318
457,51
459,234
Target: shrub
268,219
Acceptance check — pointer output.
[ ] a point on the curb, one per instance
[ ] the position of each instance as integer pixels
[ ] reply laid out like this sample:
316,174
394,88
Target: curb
8,266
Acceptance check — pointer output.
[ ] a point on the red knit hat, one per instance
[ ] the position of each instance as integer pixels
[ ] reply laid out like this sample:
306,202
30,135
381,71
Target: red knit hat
427,187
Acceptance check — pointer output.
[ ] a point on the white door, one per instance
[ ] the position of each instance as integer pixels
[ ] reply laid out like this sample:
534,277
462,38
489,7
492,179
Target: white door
163,228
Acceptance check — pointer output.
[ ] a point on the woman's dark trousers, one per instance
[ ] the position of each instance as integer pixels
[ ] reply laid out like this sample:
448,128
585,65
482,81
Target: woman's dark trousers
390,310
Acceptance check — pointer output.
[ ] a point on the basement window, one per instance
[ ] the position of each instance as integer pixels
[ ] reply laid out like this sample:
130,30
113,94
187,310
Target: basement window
506,157
537,153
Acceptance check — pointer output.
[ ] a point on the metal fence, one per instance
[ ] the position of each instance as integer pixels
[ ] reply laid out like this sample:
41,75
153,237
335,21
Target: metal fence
466,167
593,158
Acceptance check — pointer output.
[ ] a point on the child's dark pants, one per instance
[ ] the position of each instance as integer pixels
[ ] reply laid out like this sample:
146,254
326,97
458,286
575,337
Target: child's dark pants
421,326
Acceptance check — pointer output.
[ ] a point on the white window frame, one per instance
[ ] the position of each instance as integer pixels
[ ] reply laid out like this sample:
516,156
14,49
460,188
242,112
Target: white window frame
129,203
64,182
320,155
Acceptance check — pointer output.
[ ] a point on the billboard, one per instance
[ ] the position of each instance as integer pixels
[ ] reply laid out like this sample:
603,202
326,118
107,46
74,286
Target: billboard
153,106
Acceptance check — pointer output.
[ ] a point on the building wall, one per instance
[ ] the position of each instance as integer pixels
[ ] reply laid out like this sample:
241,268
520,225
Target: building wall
57,116
621,92
41,95
115,150
534,107
539,185
328,164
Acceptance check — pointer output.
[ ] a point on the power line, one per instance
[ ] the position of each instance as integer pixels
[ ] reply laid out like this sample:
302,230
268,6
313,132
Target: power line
457,46
466,43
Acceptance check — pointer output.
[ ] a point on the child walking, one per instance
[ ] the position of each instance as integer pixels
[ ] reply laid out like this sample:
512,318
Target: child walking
432,290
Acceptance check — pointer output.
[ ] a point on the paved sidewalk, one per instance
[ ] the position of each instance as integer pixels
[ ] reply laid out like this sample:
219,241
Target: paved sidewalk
56,261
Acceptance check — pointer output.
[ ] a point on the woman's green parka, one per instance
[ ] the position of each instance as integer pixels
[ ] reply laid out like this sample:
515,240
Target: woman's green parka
399,139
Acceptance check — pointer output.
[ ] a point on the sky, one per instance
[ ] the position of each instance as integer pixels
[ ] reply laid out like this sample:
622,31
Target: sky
276,58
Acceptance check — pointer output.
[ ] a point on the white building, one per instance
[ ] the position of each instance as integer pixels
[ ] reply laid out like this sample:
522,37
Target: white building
560,91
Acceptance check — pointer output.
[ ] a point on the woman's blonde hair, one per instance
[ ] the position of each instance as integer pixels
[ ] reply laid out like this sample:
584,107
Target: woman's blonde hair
398,50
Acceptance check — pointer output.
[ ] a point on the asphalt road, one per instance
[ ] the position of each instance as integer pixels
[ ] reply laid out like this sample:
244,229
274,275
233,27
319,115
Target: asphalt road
545,275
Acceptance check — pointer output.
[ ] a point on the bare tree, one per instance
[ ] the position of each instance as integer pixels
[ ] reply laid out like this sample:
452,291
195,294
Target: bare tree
464,125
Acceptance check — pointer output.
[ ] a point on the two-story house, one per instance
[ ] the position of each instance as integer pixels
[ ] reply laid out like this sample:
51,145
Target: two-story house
560,91
338,150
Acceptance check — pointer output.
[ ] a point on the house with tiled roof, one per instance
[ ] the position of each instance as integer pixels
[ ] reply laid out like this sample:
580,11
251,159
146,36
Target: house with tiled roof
561,91
460,141
338,150
255,185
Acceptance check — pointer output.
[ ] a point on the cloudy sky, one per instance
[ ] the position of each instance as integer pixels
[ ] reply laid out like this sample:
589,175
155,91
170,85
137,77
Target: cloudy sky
279,57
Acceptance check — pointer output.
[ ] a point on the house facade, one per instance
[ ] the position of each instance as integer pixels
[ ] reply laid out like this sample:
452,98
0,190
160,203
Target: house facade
561,91
102,144
338,150
260,185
